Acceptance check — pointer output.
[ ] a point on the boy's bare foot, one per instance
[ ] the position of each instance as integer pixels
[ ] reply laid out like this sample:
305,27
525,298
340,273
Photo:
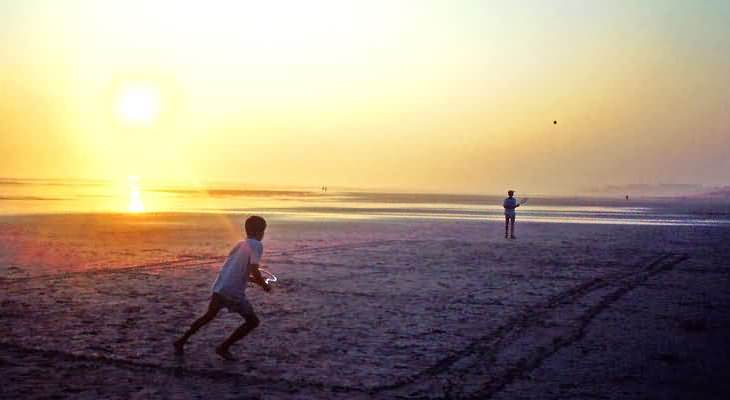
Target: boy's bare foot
225,354
179,346
513,237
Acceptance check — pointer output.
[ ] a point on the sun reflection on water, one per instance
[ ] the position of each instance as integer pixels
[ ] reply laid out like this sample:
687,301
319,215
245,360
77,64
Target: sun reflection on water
135,195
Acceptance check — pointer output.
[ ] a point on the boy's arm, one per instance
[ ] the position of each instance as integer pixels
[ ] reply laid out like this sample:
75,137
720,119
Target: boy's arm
257,278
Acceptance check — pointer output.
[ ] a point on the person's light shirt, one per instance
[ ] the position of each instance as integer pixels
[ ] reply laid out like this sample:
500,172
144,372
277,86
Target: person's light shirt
509,206
233,276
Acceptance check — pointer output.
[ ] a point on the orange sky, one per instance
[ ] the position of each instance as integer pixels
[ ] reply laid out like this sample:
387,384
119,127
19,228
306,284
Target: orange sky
416,96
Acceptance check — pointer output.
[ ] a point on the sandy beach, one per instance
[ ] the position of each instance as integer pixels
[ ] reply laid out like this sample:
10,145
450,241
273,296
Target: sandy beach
365,309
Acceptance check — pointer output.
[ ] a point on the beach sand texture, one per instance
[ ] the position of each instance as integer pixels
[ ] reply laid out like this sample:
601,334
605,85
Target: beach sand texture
364,308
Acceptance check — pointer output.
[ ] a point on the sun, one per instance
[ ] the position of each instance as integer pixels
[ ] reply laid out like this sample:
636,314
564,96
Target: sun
138,104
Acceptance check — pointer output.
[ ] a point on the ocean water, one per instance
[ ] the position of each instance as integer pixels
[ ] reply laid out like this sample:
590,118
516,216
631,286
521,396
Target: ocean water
133,196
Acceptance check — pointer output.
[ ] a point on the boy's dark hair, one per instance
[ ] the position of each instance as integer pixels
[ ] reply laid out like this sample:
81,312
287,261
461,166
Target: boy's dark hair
255,225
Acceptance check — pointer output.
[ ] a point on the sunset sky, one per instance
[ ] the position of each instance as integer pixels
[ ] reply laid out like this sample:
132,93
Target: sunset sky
448,96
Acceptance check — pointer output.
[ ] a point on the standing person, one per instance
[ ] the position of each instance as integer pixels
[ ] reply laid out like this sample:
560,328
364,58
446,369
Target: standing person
510,203
229,289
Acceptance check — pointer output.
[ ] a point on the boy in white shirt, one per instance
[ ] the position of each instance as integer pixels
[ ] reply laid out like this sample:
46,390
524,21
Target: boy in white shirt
229,289
510,203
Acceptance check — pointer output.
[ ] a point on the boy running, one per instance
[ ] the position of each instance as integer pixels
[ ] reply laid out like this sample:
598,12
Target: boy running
229,289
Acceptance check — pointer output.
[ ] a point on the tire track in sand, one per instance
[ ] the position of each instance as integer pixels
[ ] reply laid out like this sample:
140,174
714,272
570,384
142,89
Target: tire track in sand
492,362
188,261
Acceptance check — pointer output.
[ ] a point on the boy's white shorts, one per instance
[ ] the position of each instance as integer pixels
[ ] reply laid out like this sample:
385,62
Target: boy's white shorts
241,305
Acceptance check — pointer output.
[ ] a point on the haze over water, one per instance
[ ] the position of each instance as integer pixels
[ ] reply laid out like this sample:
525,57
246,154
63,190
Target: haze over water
430,96
136,197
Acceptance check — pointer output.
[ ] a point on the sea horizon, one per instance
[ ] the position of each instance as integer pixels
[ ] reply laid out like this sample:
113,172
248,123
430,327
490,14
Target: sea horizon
22,196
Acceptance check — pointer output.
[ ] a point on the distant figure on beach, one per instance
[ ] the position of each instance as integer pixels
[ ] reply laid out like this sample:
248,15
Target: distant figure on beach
229,289
510,204
627,197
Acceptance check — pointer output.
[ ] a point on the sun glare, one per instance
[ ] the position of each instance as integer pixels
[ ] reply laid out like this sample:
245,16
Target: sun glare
138,104
135,195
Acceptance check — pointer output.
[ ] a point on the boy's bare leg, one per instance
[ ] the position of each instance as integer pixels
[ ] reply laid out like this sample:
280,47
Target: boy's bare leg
512,222
252,321
213,308
506,226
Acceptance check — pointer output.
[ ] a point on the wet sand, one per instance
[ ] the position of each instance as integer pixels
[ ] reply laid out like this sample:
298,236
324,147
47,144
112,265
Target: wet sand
365,309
